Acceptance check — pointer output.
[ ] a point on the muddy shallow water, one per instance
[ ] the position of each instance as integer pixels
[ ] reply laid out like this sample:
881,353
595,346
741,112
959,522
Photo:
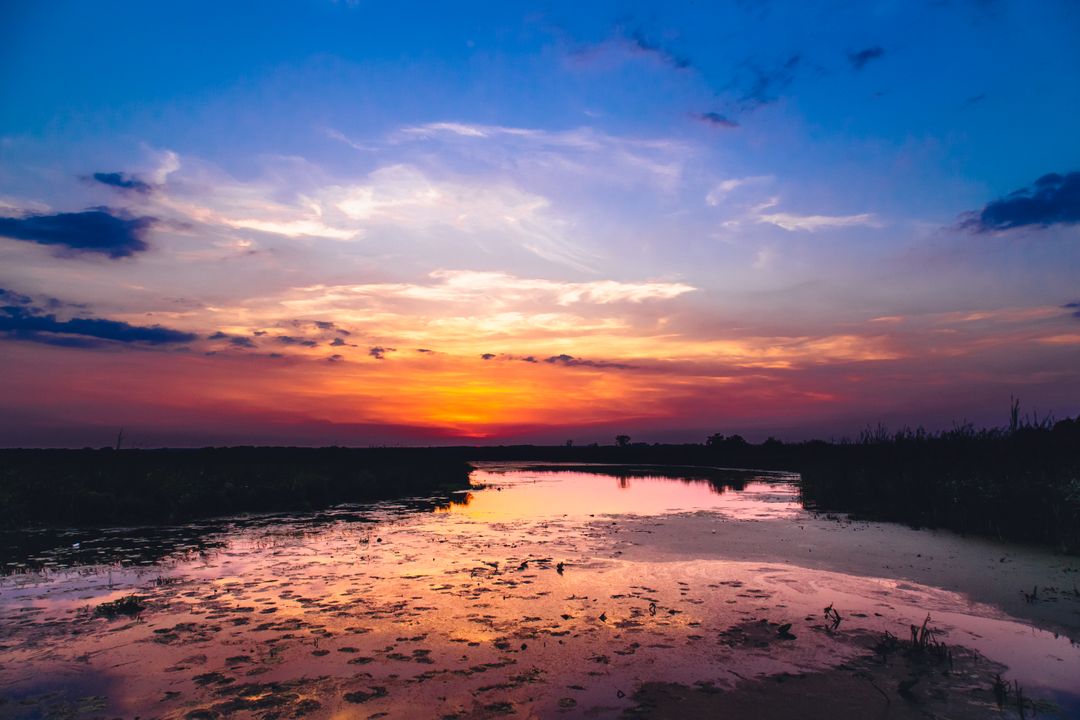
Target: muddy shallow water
543,592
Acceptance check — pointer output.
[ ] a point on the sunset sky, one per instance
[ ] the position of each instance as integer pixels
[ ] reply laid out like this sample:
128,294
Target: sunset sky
365,223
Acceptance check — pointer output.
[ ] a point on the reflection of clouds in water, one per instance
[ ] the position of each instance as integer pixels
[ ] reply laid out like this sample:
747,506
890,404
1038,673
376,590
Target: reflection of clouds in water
397,606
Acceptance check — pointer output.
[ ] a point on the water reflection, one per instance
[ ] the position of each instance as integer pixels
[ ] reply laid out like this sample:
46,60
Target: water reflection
541,591
547,491
51,549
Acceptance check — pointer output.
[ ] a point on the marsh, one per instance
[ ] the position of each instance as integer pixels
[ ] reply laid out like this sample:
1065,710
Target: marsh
542,591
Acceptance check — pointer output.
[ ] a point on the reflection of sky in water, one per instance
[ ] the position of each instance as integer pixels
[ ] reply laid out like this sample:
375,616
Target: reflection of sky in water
463,606
539,493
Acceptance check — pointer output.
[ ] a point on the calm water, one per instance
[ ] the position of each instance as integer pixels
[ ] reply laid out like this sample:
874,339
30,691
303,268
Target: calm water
543,592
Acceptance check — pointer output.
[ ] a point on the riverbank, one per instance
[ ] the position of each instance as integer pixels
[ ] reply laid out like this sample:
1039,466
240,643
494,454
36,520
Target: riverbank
1021,484
124,487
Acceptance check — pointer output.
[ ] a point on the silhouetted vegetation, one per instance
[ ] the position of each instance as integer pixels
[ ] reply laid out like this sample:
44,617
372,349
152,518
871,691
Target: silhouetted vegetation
116,487
1021,482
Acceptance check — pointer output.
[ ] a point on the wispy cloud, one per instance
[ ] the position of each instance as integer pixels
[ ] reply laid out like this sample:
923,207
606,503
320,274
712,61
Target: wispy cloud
810,223
496,289
763,84
725,187
859,59
717,120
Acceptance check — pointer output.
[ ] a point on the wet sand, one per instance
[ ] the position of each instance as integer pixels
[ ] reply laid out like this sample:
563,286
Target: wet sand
567,595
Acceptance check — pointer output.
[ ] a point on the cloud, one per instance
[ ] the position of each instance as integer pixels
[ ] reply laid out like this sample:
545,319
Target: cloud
717,120
291,340
101,230
335,358
10,297
725,187
631,43
810,223
1052,200
765,86
380,352
123,181
640,44
1074,306
426,351
406,198
571,361
859,59
582,152
27,322
487,356
494,289
292,228
236,340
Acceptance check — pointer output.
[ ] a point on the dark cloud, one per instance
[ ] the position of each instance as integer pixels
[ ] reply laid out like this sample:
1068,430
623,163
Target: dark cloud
718,120
380,352
1075,307
571,361
101,230
338,342
10,297
123,181
291,340
259,333
24,321
528,359
487,356
335,358
425,351
1053,200
641,44
327,325
765,85
859,59
236,340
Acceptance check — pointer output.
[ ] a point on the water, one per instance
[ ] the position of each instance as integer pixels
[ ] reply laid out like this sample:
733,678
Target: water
545,592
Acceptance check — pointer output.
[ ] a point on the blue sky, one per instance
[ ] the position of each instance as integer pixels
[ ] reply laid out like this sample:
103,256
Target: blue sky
763,215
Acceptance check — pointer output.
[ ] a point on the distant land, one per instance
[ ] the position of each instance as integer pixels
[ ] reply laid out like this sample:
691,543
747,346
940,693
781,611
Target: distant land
1019,483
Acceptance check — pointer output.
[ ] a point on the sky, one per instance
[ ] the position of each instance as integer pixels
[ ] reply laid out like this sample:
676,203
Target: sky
364,223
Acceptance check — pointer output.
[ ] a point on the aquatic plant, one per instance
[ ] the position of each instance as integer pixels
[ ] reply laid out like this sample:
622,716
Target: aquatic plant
832,617
130,605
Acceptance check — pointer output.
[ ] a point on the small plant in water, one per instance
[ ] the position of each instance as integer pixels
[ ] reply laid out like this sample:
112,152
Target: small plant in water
831,615
925,642
1001,691
130,605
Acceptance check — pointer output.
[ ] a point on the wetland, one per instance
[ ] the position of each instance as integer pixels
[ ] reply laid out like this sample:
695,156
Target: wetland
542,590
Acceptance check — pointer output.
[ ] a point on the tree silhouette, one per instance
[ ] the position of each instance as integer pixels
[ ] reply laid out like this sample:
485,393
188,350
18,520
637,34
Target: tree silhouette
622,440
